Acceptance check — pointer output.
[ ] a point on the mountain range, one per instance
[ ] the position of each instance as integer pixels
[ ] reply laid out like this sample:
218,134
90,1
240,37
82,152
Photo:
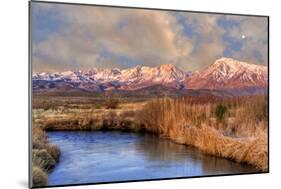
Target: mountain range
225,74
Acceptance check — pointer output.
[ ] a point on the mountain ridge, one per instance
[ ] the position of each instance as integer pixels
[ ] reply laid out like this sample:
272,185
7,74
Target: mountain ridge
224,73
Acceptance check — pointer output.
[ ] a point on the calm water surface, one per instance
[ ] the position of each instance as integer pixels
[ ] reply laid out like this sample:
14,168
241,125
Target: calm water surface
93,157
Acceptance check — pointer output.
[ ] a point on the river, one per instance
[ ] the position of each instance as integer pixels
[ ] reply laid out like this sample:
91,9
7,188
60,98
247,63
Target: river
108,156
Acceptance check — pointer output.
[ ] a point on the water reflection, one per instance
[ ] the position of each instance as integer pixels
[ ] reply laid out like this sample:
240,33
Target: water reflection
90,157
153,149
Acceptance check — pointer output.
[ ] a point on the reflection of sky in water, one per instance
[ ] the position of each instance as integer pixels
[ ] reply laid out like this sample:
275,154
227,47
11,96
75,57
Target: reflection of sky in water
90,157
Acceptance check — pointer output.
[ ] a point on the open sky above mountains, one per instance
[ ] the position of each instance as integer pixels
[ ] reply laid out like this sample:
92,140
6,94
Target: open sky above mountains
72,37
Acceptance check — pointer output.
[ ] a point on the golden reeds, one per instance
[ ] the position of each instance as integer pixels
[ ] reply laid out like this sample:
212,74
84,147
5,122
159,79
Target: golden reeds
192,121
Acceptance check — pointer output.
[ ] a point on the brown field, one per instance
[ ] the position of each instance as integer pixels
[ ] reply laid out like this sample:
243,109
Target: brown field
234,128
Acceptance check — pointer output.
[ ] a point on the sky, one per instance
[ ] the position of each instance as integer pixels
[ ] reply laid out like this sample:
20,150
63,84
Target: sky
75,37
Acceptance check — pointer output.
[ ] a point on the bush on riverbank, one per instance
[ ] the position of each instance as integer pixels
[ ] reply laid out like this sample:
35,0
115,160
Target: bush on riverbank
43,159
54,151
44,156
39,177
220,113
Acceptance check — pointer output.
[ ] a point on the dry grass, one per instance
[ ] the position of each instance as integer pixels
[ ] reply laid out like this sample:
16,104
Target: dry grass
54,151
39,177
42,159
192,120
111,103
39,138
88,119
44,156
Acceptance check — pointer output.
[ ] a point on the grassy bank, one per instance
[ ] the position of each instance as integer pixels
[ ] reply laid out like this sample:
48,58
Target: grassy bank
234,128
107,116
44,156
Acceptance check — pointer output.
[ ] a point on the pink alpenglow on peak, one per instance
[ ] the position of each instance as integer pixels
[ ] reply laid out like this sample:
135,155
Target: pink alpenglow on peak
229,73
224,73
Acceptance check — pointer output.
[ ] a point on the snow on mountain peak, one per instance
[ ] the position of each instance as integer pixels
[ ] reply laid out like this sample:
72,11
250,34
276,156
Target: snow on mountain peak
229,73
167,67
223,73
235,64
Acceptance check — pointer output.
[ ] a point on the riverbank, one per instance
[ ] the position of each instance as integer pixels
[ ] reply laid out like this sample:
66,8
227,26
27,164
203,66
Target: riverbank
234,128
45,156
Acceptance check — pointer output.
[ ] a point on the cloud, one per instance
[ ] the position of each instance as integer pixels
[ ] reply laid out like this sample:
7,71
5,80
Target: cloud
83,37
96,33
254,47
207,37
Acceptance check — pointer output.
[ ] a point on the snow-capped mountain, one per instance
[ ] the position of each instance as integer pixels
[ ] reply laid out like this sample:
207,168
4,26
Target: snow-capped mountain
109,79
224,73
227,73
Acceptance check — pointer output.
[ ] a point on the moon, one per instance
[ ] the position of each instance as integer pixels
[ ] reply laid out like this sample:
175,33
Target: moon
243,36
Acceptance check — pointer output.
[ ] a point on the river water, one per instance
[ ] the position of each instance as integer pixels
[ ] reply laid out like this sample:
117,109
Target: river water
94,157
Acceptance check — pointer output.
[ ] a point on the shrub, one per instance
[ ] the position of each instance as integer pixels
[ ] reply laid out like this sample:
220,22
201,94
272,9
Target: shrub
38,135
43,159
111,103
97,106
54,151
39,177
220,113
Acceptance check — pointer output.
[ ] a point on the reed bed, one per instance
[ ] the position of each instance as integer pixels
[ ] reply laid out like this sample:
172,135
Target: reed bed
240,134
